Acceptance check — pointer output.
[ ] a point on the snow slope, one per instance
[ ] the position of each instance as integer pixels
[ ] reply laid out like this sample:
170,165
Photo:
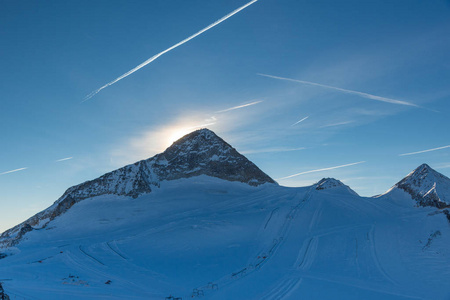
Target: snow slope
228,240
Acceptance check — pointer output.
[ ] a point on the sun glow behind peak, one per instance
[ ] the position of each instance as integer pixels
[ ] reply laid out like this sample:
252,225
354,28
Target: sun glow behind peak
178,132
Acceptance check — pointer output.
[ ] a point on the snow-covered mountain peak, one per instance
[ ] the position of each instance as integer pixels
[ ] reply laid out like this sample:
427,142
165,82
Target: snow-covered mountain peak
200,152
427,186
328,183
332,183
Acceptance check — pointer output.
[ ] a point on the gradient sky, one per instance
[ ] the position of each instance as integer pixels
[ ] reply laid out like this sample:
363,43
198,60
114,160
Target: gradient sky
368,81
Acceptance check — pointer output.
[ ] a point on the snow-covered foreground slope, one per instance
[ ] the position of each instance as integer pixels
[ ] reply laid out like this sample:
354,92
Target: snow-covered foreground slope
228,240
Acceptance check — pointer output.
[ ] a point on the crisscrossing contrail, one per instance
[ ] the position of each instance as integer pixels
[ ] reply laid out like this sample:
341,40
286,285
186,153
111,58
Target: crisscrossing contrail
168,49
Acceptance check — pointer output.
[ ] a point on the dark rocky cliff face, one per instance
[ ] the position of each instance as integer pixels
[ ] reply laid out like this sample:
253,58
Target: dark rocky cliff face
201,152
3,295
204,153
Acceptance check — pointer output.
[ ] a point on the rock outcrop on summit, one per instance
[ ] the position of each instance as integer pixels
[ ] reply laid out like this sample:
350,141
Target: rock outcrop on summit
200,152
332,183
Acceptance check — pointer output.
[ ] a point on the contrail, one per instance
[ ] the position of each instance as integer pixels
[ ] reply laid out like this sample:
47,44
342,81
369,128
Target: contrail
237,107
423,151
269,150
300,121
325,169
337,124
365,95
201,126
167,50
12,171
63,159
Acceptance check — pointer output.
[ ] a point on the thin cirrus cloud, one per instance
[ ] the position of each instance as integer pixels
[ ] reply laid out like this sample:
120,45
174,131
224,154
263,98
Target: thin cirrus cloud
151,59
320,170
63,159
337,124
299,121
239,106
423,151
271,150
364,95
12,171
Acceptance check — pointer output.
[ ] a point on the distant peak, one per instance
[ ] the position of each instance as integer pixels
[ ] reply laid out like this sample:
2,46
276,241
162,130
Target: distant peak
332,183
326,183
420,173
427,186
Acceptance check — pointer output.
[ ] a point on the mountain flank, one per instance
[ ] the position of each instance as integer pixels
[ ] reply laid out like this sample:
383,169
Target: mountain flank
200,152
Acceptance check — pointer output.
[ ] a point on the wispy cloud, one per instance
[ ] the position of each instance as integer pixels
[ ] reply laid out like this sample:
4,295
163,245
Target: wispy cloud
443,166
299,121
199,126
239,106
270,150
337,124
63,159
324,169
168,49
364,95
423,151
12,171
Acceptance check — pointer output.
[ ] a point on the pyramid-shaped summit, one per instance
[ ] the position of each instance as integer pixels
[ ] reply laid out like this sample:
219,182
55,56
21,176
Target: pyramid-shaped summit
200,152
427,186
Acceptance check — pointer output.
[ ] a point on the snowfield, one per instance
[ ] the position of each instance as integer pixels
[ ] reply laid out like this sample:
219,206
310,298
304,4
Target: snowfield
214,239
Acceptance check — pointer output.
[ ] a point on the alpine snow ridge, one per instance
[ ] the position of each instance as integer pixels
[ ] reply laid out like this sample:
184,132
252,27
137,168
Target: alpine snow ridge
426,186
200,152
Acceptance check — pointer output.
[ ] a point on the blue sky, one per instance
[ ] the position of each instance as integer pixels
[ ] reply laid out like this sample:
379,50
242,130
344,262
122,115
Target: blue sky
54,53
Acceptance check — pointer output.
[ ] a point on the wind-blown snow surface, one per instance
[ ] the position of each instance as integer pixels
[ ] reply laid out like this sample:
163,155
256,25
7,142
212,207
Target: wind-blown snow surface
229,240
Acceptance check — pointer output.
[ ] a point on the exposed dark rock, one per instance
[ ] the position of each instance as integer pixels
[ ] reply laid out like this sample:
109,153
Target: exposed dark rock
447,214
3,295
202,152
